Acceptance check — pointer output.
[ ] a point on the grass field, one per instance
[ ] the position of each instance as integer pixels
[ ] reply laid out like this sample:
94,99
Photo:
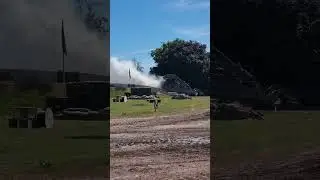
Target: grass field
281,134
81,147
71,147
139,108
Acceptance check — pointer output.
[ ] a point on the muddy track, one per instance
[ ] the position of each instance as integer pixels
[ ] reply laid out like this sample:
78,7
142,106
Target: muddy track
167,147
303,166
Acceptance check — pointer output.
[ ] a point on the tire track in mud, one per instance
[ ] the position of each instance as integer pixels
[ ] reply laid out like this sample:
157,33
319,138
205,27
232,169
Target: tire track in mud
170,147
159,120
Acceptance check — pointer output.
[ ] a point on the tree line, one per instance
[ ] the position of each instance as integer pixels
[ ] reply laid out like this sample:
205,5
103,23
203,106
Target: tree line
276,40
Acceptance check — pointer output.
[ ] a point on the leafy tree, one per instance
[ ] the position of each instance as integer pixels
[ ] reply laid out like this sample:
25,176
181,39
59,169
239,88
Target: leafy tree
137,65
189,60
92,19
275,39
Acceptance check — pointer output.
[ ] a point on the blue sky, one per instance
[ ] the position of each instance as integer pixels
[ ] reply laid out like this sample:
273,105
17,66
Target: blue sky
136,27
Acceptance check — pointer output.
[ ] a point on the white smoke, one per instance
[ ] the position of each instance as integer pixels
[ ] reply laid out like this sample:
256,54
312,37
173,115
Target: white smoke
30,38
119,73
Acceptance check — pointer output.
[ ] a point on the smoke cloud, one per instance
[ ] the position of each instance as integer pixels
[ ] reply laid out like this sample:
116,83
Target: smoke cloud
30,38
119,73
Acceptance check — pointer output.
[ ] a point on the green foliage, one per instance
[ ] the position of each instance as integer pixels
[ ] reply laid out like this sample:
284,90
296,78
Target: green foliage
189,60
278,41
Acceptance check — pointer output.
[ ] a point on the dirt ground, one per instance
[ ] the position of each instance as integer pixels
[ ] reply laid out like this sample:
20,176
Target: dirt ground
305,165
166,147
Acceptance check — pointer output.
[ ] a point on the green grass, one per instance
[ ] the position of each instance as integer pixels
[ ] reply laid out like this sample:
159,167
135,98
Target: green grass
72,147
281,134
69,146
139,108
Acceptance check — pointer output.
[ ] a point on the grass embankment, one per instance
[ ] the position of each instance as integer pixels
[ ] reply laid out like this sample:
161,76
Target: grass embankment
281,134
140,108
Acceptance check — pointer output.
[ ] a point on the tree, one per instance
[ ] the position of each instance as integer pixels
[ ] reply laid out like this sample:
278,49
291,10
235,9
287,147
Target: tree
273,38
93,21
189,60
137,65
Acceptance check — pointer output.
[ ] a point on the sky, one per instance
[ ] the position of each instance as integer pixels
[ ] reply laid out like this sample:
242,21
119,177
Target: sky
137,27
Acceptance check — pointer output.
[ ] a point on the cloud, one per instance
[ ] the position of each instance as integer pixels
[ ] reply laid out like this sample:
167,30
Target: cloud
184,5
194,32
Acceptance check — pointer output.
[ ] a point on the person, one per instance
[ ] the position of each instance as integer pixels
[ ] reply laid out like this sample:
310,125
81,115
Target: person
276,104
155,103
49,119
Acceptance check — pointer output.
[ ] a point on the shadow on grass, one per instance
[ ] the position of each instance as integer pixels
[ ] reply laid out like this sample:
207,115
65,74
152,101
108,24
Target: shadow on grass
87,137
